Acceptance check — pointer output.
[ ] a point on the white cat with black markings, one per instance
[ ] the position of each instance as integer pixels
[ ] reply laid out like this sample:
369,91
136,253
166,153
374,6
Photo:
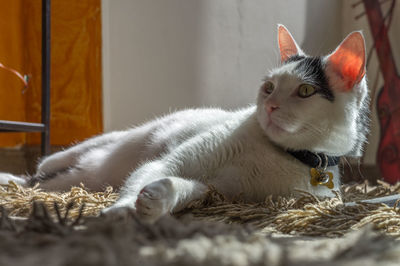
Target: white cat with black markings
310,111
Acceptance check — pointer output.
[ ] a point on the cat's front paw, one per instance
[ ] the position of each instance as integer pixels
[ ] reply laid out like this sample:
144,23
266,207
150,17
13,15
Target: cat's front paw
155,200
116,212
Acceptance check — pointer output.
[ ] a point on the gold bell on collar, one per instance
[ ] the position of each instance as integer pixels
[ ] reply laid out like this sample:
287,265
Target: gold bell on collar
321,177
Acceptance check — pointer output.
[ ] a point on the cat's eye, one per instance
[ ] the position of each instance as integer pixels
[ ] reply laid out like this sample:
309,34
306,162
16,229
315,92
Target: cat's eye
306,90
268,87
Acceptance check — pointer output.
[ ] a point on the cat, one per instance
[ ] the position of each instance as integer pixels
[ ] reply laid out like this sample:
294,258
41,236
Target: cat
310,112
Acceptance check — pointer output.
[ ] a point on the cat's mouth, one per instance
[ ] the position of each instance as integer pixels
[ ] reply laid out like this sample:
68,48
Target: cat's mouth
277,126
274,127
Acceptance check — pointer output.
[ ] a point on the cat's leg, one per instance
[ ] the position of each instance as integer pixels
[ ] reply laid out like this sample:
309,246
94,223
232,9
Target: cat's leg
106,165
108,158
62,160
97,168
64,180
161,197
6,177
167,195
153,194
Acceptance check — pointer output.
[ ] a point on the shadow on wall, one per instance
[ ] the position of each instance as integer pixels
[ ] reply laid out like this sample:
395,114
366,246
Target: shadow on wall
323,31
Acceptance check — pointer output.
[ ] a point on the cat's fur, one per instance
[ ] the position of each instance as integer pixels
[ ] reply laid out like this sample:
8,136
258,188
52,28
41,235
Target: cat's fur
165,163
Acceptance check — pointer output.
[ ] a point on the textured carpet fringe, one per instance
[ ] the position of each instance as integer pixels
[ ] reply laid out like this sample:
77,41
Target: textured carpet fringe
304,215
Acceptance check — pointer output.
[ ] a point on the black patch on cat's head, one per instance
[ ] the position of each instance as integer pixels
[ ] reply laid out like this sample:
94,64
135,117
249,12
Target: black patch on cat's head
311,69
295,58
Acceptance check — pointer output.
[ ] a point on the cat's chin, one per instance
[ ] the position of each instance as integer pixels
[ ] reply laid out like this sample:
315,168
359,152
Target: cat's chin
277,133
282,136
274,130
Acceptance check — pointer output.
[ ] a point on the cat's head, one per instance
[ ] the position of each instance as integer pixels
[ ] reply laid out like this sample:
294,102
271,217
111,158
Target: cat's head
317,103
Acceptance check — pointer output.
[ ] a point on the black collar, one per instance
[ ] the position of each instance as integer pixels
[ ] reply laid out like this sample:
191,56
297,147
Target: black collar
314,159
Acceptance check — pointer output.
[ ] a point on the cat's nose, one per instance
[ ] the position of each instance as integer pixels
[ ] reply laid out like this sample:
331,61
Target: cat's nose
270,107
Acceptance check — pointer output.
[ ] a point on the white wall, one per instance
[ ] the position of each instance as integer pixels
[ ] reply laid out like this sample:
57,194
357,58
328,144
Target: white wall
161,55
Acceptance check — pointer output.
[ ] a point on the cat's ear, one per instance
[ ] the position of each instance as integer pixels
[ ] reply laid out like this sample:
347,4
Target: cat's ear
287,45
348,60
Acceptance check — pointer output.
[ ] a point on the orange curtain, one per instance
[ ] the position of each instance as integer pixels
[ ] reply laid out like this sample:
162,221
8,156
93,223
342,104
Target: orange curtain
76,104
12,99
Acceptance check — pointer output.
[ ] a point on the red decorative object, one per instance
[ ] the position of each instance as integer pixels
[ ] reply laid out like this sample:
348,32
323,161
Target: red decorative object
388,101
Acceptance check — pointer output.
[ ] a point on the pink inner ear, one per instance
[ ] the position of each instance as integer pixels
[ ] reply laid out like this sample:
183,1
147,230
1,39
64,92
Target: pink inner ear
348,61
287,45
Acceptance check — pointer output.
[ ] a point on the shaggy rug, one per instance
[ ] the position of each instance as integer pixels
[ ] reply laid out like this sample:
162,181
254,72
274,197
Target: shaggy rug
42,228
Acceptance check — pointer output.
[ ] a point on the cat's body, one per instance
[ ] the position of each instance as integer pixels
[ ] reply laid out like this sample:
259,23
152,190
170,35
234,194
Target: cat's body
213,146
114,155
165,163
